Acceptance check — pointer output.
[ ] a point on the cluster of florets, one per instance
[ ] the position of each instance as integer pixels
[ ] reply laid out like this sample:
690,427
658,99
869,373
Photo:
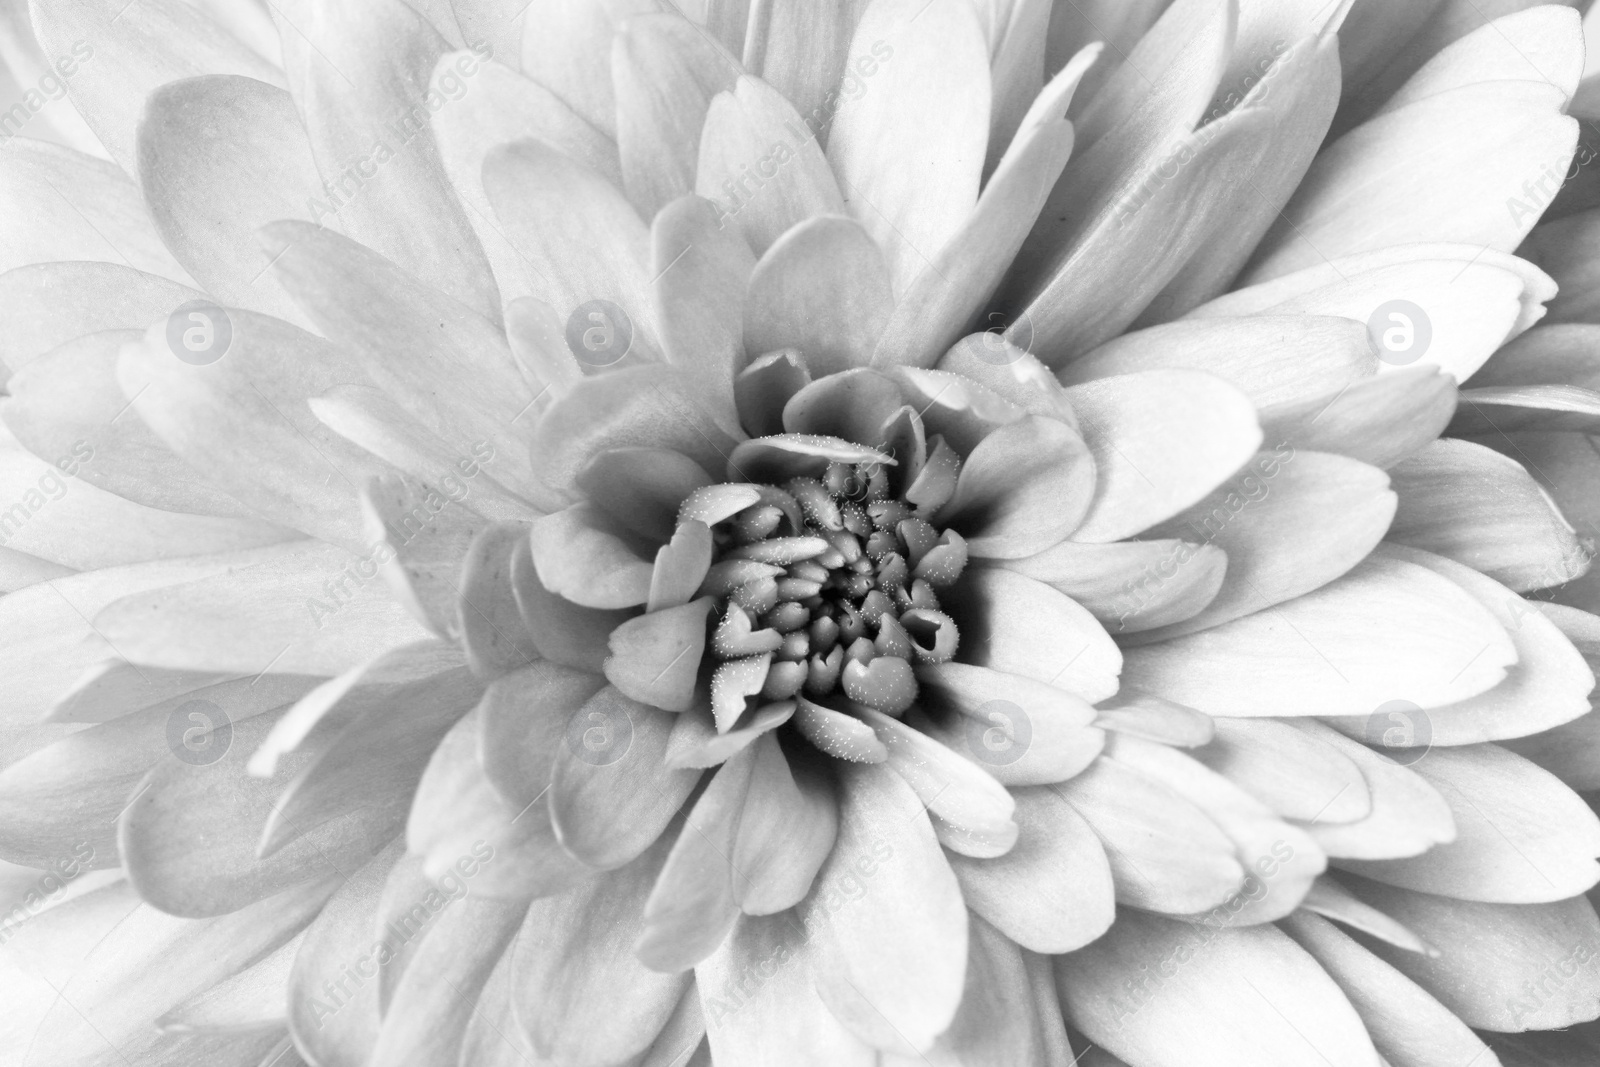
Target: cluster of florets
830,583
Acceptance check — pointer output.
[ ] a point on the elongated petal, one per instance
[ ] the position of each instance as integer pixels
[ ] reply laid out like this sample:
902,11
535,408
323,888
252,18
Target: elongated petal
318,717
1166,854
926,115
203,135
1295,773
1209,430
1052,892
579,559
1248,995
1023,489
787,829
523,713
462,824
1382,629
1379,420
564,979
998,1021
243,424
368,78
1408,815
52,303
375,762
187,839
1126,133
611,792
701,270
306,608
422,537
804,52
137,51
256,997
823,288
1132,585
1549,684
461,950
143,963
69,206
1407,1025
655,658
1274,359
1022,731
890,961
664,72
563,632
1472,505
1280,861
495,638
1522,836
441,361
1472,300
761,164
691,907
1329,898
1016,625
1377,185
345,1031
578,238
646,407
955,790
784,1017
1493,957
498,107
1290,523
1223,197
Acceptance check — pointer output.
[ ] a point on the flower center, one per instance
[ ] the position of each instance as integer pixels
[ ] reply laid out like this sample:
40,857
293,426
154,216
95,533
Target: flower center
830,583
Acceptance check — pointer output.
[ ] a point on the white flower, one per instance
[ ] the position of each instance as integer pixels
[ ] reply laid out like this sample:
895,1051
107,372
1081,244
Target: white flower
596,534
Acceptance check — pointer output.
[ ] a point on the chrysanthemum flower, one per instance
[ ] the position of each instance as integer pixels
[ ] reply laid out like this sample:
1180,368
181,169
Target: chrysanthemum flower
908,531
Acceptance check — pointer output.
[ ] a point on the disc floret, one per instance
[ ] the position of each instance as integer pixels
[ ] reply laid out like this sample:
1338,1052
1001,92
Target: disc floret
830,583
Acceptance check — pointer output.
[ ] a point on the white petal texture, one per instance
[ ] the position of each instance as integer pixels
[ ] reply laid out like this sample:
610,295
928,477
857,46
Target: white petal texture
765,533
